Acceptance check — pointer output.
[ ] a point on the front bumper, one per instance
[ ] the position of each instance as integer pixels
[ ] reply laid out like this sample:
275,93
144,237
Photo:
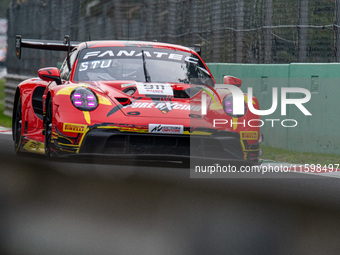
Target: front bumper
218,145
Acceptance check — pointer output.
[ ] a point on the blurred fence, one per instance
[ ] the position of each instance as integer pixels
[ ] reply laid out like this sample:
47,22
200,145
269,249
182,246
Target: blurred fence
252,31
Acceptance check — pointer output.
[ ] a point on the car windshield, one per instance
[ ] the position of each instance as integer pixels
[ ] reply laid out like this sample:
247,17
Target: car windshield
134,63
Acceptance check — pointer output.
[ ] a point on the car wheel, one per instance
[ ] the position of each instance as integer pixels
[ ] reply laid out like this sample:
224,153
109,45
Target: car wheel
17,126
48,128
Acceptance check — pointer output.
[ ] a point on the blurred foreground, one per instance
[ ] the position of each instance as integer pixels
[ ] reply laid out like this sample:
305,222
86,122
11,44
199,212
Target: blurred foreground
51,207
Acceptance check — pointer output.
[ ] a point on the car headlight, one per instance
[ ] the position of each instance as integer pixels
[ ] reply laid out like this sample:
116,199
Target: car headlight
228,106
84,99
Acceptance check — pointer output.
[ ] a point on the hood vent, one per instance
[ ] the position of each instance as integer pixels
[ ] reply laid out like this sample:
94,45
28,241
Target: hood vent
123,101
130,90
181,93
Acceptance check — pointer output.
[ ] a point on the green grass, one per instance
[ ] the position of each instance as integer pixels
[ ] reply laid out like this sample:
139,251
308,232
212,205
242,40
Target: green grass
5,121
294,157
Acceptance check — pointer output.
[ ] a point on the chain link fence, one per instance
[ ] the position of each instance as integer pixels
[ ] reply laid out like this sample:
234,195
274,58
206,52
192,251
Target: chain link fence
252,31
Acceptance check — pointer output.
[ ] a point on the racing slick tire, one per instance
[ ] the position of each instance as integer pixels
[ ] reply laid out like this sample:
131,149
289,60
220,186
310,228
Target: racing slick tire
48,128
17,125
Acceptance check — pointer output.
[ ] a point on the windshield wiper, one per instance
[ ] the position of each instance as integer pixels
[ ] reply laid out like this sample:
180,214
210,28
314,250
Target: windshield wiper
146,73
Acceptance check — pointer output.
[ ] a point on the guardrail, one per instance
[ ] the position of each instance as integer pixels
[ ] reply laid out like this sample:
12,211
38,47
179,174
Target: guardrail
12,82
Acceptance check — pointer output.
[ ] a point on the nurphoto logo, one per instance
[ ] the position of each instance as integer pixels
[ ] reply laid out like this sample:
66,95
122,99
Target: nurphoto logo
238,105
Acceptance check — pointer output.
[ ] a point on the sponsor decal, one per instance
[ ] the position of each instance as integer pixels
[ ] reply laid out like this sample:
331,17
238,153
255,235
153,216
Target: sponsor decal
164,106
35,147
114,53
155,89
165,129
249,135
75,128
107,57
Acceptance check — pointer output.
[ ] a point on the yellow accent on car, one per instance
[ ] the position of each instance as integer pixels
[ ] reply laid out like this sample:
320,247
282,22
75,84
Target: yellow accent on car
249,135
35,147
104,100
246,100
126,129
74,128
66,91
87,117
216,106
235,123
197,133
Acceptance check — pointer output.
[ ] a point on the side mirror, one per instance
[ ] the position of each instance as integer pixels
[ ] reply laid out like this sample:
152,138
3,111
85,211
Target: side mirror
230,80
50,74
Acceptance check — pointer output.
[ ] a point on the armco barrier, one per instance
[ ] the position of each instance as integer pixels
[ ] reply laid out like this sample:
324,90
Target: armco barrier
12,81
317,133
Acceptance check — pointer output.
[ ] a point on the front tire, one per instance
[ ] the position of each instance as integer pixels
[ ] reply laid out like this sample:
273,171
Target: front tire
48,128
17,126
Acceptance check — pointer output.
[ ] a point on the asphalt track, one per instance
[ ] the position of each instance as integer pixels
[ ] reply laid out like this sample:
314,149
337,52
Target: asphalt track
59,207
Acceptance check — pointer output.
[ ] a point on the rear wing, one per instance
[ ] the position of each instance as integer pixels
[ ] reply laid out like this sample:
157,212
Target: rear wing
197,48
43,44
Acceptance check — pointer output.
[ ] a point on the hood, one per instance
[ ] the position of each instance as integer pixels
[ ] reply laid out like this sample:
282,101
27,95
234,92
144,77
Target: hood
157,100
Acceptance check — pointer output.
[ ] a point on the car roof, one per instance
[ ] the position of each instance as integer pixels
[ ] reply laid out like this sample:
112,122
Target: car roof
144,44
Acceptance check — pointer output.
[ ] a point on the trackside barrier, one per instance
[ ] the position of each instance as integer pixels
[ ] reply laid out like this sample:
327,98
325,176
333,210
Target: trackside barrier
12,81
317,133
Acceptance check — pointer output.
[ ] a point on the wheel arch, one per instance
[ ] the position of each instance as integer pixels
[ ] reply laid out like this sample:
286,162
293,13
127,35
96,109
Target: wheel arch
15,105
48,98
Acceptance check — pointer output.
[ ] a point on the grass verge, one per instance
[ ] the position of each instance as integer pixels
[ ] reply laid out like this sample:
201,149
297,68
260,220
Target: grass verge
5,121
295,157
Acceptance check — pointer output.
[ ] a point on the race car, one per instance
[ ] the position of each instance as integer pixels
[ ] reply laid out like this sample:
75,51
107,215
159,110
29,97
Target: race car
144,100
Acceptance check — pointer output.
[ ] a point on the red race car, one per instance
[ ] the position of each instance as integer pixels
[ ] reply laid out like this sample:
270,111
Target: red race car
145,100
